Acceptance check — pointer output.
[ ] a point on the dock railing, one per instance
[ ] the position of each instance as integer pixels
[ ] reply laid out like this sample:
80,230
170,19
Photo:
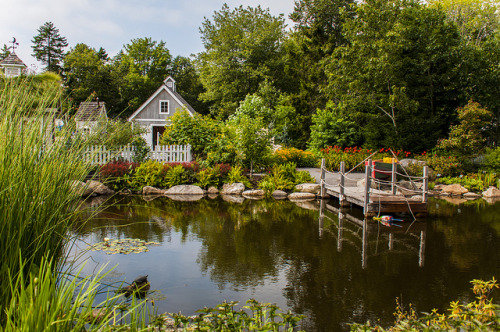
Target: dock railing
418,185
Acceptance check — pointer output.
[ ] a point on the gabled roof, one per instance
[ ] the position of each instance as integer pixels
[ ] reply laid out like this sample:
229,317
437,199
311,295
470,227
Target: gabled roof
170,90
12,60
91,111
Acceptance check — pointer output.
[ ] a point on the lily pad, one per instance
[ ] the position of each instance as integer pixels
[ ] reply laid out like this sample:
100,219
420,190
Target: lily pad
123,246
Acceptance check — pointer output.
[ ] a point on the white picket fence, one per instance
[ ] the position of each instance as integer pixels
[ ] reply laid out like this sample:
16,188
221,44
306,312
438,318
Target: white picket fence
100,155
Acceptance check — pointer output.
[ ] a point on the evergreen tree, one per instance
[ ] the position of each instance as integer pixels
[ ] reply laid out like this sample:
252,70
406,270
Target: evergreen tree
48,47
4,52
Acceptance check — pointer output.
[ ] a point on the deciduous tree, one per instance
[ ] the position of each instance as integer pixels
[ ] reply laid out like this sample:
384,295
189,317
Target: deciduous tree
243,47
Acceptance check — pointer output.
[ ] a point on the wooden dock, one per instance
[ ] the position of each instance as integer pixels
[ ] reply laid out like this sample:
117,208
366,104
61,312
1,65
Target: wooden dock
375,201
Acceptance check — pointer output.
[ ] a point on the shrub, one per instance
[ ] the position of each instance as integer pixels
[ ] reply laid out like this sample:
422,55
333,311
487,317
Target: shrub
492,157
149,173
117,174
445,165
235,175
284,177
473,182
175,176
300,157
209,177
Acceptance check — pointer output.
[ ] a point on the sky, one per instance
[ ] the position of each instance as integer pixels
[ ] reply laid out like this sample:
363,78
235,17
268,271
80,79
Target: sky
113,23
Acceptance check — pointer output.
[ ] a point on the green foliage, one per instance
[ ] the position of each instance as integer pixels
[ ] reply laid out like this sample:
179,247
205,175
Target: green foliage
466,139
284,177
48,47
492,159
235,175
223,148
175,176
332,127
37,196
209,177
480,315
242,49
197,130
253,139
473,182
88,74
445,165
117,133
149,173
396,87
224,317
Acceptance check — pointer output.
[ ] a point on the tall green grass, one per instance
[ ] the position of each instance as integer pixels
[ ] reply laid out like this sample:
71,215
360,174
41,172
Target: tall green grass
37,168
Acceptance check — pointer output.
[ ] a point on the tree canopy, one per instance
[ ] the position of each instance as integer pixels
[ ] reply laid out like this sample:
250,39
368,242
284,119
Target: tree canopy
48,47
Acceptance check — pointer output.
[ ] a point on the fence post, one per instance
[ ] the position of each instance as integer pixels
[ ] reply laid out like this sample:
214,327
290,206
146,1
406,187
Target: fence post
368,170
322,179
342,184
425,186
393,177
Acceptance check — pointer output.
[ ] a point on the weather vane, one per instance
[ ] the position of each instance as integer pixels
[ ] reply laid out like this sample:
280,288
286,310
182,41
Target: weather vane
14,44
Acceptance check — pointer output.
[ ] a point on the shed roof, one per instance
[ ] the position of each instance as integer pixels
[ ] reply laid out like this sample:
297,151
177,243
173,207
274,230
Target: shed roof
91,111
12,60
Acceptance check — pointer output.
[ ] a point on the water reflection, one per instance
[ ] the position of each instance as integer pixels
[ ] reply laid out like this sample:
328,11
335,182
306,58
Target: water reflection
402,236
315,259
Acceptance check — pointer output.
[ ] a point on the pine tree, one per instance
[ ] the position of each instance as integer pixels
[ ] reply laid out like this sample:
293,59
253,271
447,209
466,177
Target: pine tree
48,47
4,52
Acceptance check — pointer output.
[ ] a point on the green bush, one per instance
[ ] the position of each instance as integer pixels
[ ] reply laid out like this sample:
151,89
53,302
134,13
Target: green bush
235,175
445,165
473,182
492,157
300,157
149,173
175,176
209,177
284,177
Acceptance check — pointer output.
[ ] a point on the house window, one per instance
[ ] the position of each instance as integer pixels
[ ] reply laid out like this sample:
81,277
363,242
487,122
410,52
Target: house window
164,107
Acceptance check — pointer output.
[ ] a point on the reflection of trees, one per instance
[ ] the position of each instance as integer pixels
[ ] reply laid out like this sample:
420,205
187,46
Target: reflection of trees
244,244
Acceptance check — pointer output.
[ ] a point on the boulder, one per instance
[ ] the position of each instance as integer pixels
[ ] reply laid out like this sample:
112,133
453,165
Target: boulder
81,189
409,162
308,205
213,190
491,192
301,196
472,196
233,198
312,188
99,188
233,189
279,194
454,189
184,197
147,190
408,188
259,193
185,189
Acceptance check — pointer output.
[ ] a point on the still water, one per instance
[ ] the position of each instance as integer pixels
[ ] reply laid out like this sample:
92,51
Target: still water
331,267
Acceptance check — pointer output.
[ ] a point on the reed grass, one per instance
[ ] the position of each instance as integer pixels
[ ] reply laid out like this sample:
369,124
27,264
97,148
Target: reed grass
37,210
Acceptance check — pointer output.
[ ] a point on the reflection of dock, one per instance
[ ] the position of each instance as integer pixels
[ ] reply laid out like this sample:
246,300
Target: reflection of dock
410,238
396,199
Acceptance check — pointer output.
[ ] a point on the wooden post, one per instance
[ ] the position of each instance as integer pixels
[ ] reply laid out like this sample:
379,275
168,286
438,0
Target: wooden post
368,170
393,177
342,184
322,178
321,217
340,231
421,251
425,186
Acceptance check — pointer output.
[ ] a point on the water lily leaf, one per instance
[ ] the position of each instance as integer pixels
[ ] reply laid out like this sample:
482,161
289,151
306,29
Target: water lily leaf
122,246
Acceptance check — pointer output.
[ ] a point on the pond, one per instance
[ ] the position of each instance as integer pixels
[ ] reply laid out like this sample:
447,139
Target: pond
331,267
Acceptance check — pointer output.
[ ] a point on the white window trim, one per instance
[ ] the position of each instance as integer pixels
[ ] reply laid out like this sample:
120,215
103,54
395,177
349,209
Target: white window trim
168,106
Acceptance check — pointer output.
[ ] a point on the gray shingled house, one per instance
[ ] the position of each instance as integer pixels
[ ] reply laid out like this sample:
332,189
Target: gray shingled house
154,114
12,66
89,114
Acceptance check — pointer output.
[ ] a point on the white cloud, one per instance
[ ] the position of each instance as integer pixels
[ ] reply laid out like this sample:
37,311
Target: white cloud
113,23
